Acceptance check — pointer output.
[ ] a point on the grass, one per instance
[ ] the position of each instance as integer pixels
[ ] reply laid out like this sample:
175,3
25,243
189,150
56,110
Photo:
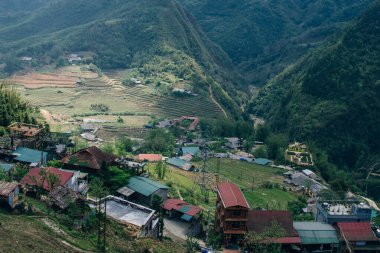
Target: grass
246,175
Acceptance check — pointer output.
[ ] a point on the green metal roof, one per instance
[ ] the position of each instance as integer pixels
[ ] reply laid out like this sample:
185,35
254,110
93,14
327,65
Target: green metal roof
185,209
145,186
262,161
316,233
28,155
190,150
186,217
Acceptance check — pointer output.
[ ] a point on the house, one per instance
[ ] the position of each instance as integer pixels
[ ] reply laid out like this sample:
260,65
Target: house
233,143
32,157
29,135
149,157
309,173
177,208
88,159
231,213
164,123
259,221
89,137
9,193
187,157
358,237
74,58
143,189
194,151
303,182
87,127
317,236
179,163
263,161
131,165
35,178
298,153
342,211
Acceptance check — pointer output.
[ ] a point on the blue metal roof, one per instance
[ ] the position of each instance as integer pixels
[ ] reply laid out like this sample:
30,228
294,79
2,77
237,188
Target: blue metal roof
145,186
190,150
28,155
6,166
186,217
177,162
262,161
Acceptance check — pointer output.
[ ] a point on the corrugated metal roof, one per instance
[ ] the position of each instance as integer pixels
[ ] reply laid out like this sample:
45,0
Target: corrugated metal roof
145,186
6,188
262,161
6,166
28,155
181,206
177,162
149,157
316,233
190,150
357,231
231,195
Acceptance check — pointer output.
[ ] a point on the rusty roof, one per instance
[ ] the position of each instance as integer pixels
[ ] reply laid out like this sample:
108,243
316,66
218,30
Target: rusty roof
357,231
231,195
6,188
27,130
91,157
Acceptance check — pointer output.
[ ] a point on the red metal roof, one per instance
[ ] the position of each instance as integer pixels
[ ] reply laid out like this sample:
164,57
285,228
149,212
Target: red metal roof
178,204
231,195
356,231
259,220
149,157
34,176
287,240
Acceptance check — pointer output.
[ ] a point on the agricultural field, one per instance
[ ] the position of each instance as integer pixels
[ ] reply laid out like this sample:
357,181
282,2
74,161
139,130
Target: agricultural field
71,91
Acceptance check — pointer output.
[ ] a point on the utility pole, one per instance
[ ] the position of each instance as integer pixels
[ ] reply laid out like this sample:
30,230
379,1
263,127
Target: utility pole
253,183
208,226
217,171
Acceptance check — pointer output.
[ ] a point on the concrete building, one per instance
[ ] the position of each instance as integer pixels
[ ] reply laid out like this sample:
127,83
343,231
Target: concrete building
334,212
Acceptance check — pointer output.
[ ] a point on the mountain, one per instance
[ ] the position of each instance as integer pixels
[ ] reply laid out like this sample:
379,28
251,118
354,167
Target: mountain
152,36
331,98
264,36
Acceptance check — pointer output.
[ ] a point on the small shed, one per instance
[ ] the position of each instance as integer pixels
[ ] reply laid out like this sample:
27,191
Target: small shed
263,161
179,163
181,209
9,193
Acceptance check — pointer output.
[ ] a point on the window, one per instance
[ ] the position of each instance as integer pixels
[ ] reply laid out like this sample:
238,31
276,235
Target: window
235,225
236,212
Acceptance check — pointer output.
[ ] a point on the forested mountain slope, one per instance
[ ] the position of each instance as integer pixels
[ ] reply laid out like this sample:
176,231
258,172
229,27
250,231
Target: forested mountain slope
150,35
264,36
332,97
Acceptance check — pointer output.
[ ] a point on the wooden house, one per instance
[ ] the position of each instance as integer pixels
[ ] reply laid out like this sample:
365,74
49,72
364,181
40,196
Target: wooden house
9,193
231,213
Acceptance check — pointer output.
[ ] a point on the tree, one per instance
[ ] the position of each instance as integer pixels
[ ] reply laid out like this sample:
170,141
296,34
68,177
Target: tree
264,242
161,169
156,202
105,174
159,141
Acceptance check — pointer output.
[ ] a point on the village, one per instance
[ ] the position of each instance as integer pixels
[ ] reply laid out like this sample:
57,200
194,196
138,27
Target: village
209,194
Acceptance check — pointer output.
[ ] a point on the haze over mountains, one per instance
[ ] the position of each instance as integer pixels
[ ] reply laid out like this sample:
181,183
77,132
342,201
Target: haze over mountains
263,37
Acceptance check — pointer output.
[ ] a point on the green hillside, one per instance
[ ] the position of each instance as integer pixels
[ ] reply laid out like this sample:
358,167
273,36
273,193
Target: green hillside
149,36
263,37
332,97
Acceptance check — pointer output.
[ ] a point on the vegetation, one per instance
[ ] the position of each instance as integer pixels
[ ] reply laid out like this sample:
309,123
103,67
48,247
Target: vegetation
263,37
13,107
336,84
159,141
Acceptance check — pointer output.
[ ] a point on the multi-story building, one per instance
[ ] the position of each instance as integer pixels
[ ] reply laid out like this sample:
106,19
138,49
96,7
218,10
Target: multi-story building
231,213
332,213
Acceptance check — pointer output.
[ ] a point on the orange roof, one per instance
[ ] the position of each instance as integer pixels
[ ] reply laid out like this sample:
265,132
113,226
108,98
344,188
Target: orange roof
149,157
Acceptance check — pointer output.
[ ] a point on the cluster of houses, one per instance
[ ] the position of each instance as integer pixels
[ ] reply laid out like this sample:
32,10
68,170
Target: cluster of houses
166,123
339,227
132,204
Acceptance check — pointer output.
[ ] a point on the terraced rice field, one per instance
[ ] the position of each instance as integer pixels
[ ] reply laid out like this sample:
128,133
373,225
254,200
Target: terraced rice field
69,99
